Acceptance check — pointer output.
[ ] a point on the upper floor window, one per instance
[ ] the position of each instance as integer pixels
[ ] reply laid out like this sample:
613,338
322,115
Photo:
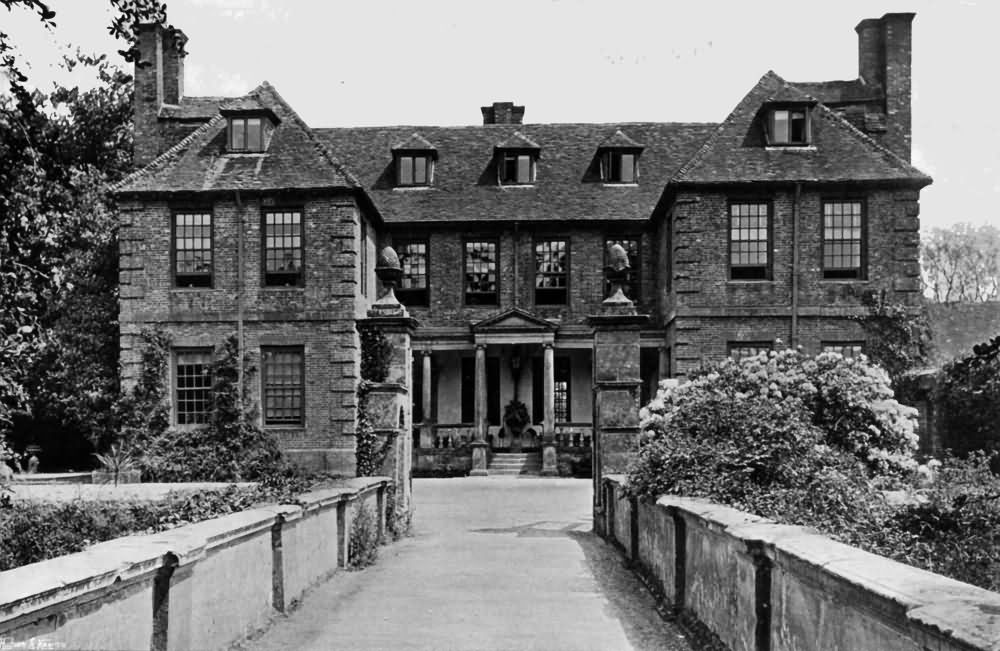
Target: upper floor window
414,169
283,385
192,249
848,349
481,282
551,272
192,386
517,168
246,134
618,167
749,240
631,246
843,239
789,126
283,248
413,285
742,349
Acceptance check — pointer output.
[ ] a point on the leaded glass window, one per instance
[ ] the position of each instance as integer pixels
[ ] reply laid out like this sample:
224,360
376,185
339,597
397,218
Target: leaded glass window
551,271
561,396
517,168
481,282
742,349
283,385
843,239
789,127
193,249
618,167
413,284
283,248
193,386
749,241
246,135
413,169
848,349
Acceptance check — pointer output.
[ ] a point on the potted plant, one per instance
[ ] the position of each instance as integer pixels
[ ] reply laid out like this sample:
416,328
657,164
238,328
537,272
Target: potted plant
515,416
117,465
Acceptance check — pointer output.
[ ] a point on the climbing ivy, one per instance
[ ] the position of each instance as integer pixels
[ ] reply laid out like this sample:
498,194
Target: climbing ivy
898,338
376,355
144,411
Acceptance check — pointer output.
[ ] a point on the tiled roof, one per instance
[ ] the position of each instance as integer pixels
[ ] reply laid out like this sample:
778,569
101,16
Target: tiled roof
735,152
193,108
620,140
415,142
295,158
567,186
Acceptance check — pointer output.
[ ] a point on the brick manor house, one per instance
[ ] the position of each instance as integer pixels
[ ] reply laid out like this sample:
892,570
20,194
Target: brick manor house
759,232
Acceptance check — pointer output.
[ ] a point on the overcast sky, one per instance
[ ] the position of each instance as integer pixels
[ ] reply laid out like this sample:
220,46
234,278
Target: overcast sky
433,62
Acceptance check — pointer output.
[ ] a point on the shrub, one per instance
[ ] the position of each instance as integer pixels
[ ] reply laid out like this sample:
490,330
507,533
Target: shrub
968,400
363,545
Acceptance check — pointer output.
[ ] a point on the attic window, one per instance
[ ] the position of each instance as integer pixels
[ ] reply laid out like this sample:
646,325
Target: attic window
517,168
414,169
246,134
789,126
618,166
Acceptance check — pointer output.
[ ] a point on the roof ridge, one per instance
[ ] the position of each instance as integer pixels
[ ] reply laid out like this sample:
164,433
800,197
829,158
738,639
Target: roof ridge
339,167
528,125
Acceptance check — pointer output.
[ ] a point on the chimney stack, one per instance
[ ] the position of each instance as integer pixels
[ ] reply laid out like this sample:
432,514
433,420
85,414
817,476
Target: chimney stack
159,80
884,51
503,113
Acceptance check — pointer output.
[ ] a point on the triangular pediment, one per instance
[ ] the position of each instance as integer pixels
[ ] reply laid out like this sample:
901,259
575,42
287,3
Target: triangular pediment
514,319
518,141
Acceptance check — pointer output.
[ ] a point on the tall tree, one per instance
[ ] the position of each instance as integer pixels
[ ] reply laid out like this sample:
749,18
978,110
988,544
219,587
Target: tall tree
961,263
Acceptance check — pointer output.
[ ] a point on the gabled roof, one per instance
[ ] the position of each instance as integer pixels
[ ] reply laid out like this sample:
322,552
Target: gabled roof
518,141
295,158
619,141
415,142
566,187
735,152
513,319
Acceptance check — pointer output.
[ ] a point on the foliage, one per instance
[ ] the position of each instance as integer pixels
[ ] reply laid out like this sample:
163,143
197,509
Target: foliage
898,338
116,461
231,447
397,518
59,151
515,415
364,541
961,263
967,396
376,356
32,531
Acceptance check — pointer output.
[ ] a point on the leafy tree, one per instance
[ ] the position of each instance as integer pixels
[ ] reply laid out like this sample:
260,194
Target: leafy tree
961,263
967,396
898,337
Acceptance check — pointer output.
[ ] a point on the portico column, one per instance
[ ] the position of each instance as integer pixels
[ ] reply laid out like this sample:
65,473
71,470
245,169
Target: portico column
479,447
549,386
425,398
550,459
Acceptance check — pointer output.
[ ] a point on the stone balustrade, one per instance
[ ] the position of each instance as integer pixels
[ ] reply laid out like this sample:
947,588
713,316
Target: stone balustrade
761,586
201,586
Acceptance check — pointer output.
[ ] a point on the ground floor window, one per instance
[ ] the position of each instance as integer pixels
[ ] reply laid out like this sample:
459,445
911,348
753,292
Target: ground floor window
193,386
740,349
283,371
561,396
849,349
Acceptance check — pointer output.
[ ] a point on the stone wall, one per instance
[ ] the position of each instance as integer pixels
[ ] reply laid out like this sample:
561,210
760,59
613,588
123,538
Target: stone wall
202,586
763,586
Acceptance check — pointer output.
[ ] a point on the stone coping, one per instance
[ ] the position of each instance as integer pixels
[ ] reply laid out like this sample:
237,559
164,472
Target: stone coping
956,611
41,585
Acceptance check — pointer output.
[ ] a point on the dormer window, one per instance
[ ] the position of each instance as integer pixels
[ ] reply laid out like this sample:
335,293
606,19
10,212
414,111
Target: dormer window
413,169
618,167
249,127
246,134
618,160
517,169
414,161
789,126
517,160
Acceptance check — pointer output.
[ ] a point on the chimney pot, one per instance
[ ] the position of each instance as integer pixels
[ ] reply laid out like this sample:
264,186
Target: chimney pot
503,113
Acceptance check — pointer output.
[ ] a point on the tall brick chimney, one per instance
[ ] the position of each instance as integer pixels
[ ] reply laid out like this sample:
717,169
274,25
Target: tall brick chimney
159,80
884,50
503,113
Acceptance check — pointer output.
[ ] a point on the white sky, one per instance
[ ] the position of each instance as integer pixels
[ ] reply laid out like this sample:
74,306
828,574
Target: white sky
436,62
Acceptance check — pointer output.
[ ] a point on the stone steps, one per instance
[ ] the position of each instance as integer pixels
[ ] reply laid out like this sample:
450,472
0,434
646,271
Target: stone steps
515,463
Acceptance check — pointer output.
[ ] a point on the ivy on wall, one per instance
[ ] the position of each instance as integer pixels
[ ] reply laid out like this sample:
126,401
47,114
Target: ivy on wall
376,355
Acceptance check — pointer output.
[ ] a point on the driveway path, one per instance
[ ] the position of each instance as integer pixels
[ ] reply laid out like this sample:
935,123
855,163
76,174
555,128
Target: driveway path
494,563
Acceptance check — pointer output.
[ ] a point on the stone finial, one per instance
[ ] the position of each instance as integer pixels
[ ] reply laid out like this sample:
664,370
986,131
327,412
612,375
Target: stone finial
616,273
389,272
